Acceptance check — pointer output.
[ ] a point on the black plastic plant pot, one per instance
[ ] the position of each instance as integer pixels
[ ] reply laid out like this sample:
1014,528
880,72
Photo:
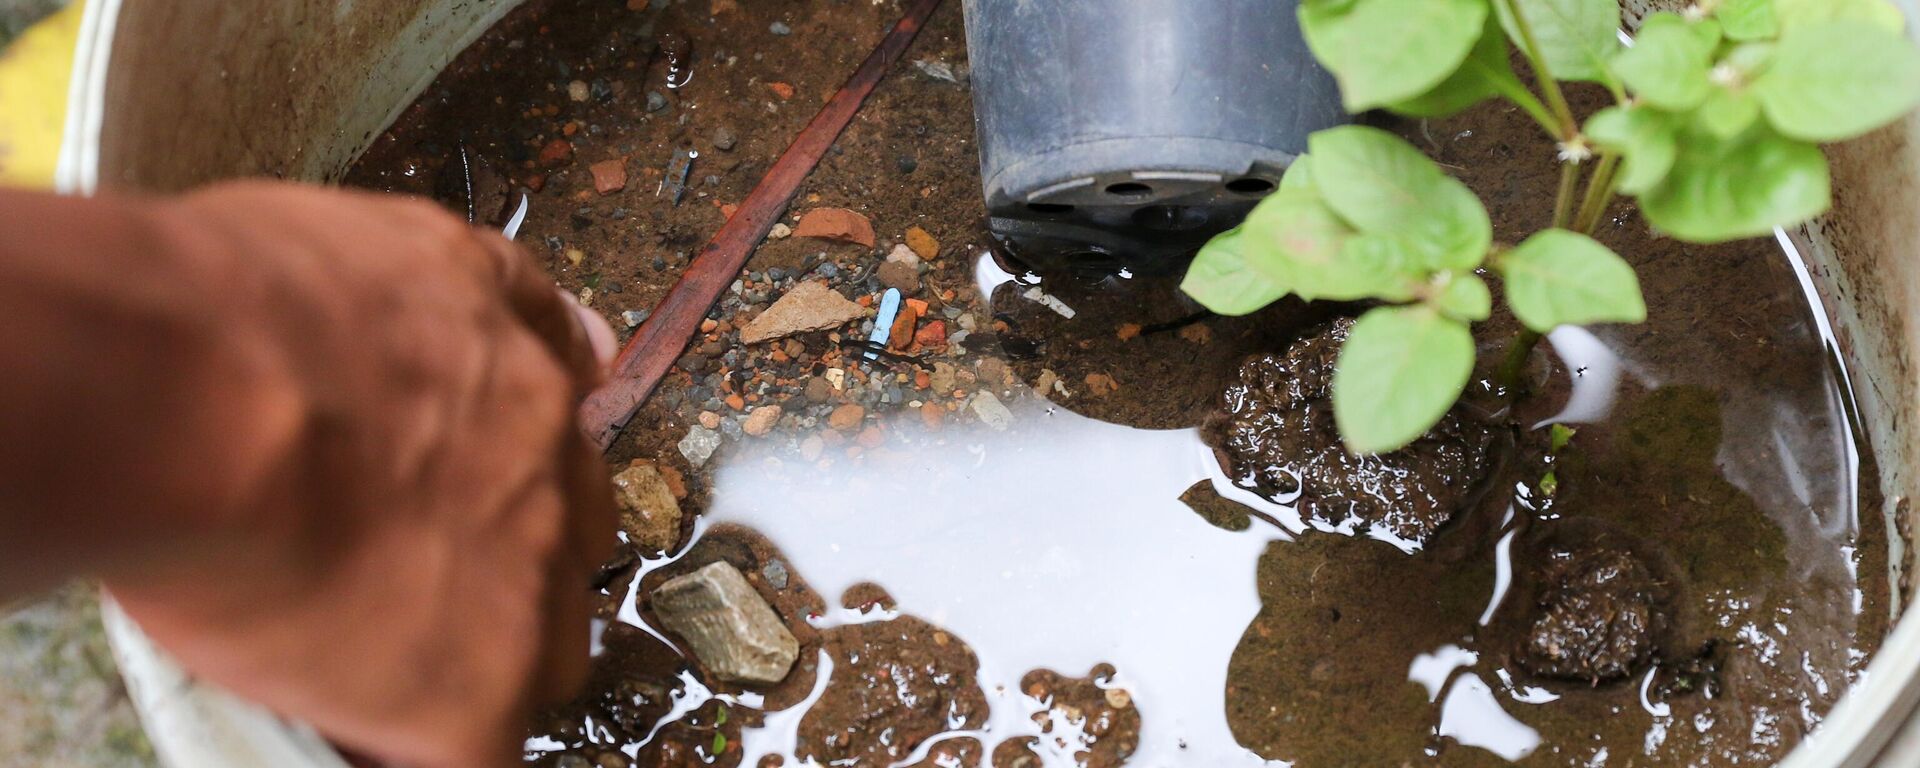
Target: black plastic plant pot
1128,132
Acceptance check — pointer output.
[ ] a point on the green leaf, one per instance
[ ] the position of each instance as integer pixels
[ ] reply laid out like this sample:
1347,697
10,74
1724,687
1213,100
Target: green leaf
1798,13
1549,483
1728,113
1746,20
1728,189
1558,277
1465,298
1646,140
1402,368
1386,51
1558,437
1298,177
1383,185
1379,266
1838,80
1578,38
1296,241
1222,281
1667,65
1487,72
719,743
720,717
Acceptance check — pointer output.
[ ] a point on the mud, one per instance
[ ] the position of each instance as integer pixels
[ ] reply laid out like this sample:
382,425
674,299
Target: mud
1596,618
1279,435
1715,432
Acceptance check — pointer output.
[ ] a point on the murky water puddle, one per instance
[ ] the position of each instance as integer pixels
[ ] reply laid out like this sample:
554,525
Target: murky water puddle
1046,540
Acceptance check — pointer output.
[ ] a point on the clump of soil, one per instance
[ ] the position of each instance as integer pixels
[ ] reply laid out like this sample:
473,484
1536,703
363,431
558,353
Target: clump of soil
1095,720
1217,510
1597,617
1278,432
894,684
631,688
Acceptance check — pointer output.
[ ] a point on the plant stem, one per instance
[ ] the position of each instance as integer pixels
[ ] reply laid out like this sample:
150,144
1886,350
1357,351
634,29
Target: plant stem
1515,362
1563,200
1549,86
1599,195
1529,103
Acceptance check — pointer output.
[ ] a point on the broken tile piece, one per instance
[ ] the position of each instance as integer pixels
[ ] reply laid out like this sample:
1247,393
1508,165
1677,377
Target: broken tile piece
810,306
837,224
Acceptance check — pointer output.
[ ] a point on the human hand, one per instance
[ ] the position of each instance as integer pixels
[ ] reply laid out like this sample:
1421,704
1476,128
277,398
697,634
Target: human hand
370,508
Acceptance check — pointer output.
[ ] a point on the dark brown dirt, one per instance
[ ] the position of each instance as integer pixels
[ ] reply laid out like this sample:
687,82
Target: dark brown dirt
1278,433
1753,635
1157,359
1103,714
1596,618
894,684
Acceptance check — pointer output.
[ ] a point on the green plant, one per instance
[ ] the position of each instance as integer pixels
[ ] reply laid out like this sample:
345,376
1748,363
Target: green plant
1714,129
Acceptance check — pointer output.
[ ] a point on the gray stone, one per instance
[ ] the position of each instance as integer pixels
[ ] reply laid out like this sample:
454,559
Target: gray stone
633,317
991,412
649,514
901,253
728,626
699,445
655,101
780,28
775,573
938,70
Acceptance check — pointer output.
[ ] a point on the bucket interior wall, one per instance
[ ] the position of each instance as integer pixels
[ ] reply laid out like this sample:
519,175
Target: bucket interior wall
177,93
297,89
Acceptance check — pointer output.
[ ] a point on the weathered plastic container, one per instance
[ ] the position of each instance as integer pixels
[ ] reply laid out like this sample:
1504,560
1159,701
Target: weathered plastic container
297,88
1130,132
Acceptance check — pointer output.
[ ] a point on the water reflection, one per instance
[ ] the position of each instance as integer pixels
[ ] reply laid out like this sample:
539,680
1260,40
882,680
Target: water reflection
1059,544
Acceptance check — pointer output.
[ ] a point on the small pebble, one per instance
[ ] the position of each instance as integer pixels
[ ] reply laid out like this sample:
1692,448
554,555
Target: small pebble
723,138
779,232
906,163
780,28
578,90
634,317
699,445
775,573
655,101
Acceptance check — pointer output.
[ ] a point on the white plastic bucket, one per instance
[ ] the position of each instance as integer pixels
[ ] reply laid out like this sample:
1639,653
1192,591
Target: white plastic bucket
169,94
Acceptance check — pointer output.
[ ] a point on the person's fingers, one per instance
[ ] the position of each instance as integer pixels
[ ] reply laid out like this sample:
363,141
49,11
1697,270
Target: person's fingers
599,334
549,314
586,542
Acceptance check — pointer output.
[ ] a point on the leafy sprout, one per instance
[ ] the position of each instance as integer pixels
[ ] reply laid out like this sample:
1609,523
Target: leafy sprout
1715,129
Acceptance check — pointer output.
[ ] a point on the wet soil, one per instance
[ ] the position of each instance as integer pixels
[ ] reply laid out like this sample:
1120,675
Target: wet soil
1718,436
1596,616
1277,430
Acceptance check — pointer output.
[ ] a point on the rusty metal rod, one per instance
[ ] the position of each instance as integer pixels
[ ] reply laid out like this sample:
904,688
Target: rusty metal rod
658,342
